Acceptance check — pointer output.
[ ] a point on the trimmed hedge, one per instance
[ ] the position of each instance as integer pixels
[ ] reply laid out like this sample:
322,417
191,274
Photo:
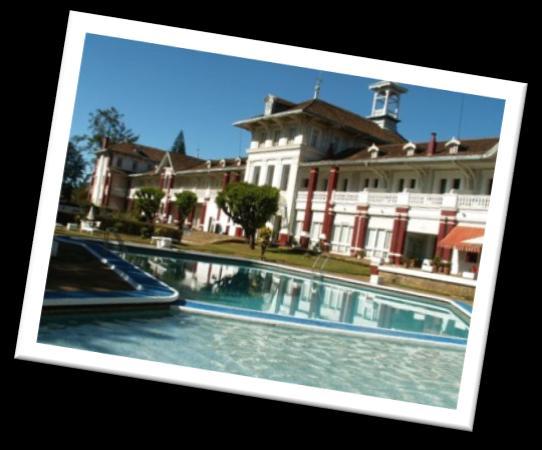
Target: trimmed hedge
164,231
126,225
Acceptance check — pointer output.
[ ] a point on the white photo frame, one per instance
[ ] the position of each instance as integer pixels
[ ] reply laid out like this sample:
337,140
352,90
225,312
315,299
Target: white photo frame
79,25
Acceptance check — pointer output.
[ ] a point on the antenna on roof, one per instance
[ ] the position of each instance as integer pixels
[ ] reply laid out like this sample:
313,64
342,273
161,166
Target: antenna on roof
460,116
197,152
317,86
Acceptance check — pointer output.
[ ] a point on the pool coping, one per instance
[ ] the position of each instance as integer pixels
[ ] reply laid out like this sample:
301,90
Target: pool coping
463,308
147,288
318,325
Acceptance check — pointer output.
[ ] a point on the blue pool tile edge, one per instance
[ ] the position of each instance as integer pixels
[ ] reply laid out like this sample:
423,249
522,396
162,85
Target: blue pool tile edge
147,289
317,324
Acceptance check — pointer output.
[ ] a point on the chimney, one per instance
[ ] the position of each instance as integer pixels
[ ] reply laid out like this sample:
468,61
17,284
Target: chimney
105,142
432,145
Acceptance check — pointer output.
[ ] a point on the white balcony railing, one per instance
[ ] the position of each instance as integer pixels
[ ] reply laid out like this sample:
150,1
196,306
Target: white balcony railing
382,198
425,199
445,201
473,201
319,196
346,197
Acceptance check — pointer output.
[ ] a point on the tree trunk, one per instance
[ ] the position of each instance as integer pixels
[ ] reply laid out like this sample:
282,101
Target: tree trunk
181,226
252,240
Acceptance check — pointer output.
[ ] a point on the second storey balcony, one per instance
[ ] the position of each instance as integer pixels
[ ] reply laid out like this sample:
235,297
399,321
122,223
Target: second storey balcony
342,200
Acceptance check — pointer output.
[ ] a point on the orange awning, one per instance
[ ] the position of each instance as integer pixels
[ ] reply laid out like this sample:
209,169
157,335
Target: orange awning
459,238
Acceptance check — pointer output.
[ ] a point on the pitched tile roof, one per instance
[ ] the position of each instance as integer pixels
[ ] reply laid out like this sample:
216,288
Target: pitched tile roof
339,116
154,154
344,117
183,162
231,163
467,147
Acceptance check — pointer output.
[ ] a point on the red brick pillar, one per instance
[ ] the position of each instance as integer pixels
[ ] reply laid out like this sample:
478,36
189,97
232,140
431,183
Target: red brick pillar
307,220
225,181
398,237
360,230
329,215
202,212
169,181
447,222
107,189
190,217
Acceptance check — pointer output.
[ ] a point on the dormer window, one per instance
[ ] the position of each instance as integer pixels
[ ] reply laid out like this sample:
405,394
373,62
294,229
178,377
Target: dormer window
208,164
453,146
222,163
237,161
374,151
409,149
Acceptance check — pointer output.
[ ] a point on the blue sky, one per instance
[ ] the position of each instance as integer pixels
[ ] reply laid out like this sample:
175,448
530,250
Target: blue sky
161,90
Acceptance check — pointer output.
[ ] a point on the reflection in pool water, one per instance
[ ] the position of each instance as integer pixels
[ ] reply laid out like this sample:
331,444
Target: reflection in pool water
286,294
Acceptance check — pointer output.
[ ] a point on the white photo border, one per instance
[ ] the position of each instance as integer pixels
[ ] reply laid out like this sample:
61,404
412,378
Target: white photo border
79,24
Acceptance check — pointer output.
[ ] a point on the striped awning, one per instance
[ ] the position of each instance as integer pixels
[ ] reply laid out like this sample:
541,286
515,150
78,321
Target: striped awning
465,239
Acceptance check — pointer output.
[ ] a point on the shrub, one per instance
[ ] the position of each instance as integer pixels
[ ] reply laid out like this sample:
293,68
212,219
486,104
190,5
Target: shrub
146,232
122,224
172,233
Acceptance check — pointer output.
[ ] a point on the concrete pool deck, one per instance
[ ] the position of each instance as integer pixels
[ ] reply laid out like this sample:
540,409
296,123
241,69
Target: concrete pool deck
139,286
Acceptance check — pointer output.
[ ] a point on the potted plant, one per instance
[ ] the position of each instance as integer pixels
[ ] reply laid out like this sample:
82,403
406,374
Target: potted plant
437,263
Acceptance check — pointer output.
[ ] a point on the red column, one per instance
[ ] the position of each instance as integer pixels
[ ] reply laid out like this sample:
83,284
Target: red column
307,220
190,218
447,223
329,215
360,230
202,212
107,189
168,184
225,181
398,238
92,180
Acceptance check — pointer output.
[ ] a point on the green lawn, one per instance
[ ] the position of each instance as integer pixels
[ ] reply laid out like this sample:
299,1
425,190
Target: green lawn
336,264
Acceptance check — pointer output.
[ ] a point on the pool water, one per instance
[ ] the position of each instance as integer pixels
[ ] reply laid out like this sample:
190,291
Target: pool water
391,369
301,296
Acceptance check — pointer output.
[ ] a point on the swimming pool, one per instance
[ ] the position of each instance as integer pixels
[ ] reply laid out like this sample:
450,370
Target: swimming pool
382,368
235,285
421,371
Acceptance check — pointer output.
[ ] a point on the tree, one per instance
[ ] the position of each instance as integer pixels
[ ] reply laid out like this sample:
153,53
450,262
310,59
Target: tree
147,202
105,123
109,123
178,145
264,234
249,205
74,171
185,201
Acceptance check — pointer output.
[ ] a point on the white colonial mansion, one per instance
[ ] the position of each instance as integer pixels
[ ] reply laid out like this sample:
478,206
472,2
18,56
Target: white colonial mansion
351,182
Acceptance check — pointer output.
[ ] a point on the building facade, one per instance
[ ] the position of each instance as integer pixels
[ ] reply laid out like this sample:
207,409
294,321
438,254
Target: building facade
351,184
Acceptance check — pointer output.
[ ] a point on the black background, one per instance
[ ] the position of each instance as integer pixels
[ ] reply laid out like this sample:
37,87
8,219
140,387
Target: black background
54,401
